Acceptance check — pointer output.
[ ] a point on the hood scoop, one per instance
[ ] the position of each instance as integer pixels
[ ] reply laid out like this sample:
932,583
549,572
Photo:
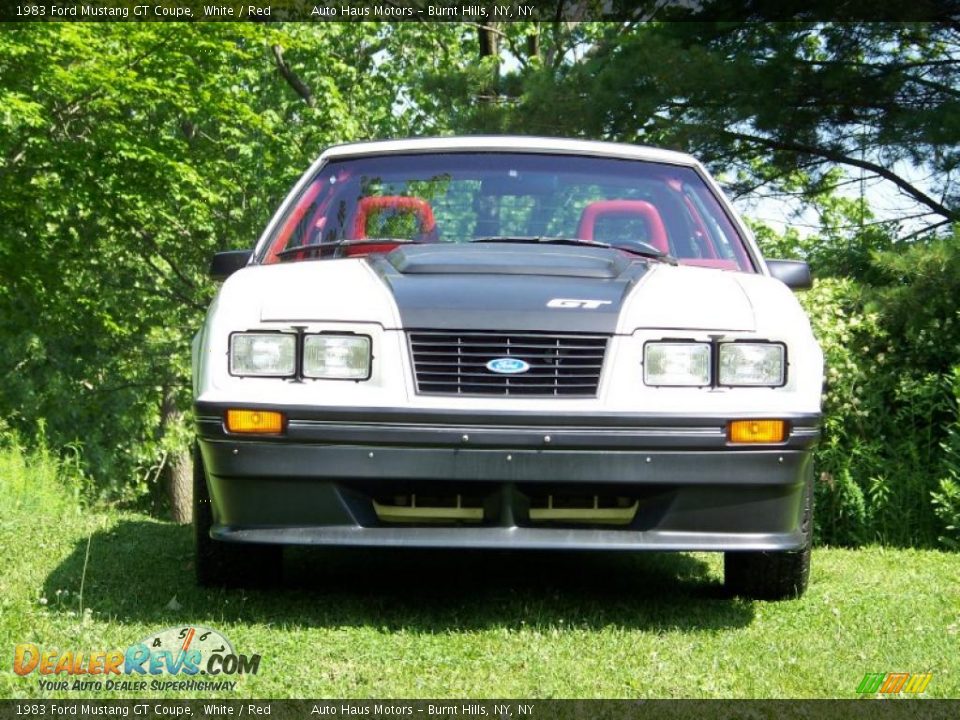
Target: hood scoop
509,259
502,287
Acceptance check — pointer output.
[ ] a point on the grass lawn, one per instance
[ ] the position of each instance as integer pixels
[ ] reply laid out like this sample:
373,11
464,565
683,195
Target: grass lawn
414,624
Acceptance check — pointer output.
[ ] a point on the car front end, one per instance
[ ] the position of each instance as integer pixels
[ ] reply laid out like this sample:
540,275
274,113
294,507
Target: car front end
490,371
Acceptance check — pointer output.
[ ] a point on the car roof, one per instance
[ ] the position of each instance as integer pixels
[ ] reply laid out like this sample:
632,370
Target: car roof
509,143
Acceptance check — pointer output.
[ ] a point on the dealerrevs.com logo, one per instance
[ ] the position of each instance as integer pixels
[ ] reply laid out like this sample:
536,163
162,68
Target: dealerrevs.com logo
198,657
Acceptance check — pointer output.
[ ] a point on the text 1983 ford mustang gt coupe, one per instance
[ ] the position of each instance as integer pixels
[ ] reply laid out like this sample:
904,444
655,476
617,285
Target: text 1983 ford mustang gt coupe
507,342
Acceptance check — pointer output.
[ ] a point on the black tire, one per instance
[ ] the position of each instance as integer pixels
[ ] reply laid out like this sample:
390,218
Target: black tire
220,564
773,575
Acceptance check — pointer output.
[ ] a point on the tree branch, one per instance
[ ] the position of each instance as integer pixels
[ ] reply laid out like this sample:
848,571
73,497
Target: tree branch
172,292
150,239
938,87
921,231
885,67
293,80
841,158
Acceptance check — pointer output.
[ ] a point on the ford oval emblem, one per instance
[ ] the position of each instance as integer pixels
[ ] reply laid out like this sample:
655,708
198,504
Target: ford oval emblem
508,366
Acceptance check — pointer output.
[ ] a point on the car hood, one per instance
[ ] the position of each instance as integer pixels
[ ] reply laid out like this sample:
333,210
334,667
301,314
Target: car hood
690,298
549,288
500,287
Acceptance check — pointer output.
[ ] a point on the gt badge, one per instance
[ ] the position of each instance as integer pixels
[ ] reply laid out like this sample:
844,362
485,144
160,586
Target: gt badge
571,303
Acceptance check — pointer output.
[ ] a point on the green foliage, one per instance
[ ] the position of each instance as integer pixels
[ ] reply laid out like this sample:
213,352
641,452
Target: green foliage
946,505
887,460
919,291
128,155
946,499
37,481
764,104
845,244
834,306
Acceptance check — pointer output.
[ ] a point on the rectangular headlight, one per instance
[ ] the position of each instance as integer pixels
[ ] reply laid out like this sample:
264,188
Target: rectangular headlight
752,364
263,354
673,364
336,357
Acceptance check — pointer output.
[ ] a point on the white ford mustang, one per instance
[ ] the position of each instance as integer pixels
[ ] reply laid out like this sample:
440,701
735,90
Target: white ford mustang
507,342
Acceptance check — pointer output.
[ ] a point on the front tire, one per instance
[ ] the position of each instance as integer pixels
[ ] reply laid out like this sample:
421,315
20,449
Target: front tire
220,564
773,575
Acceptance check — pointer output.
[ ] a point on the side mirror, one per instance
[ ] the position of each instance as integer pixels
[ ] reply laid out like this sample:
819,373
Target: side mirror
224,264
795,274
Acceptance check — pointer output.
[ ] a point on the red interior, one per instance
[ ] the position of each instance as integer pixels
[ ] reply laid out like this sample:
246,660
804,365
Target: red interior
641,208
396,203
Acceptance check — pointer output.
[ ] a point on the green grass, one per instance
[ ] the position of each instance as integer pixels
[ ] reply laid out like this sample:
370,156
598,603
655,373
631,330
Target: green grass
415,624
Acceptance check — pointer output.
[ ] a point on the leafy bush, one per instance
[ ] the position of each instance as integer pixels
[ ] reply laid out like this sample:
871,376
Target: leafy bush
946,499
836,312
888,465
946,504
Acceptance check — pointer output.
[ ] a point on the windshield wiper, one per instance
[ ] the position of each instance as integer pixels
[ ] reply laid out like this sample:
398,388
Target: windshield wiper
635,247
292,251
539,239
302,249
644,249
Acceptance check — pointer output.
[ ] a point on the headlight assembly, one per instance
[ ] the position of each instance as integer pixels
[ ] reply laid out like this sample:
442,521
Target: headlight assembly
263,354
336,357
752,364
676,364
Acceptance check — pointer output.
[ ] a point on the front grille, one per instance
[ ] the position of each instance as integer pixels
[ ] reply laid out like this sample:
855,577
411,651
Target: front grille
455,363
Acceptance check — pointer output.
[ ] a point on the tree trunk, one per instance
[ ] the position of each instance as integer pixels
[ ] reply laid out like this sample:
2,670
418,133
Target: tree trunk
489,42
533,45
178,473
490,47
180,487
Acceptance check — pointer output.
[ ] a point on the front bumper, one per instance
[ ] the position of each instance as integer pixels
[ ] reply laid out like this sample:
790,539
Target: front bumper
317,484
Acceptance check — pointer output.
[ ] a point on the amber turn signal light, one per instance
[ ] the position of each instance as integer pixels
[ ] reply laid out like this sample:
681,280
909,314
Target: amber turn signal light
757,431
264,422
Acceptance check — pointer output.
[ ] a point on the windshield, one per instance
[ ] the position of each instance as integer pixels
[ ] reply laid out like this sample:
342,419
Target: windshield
372,204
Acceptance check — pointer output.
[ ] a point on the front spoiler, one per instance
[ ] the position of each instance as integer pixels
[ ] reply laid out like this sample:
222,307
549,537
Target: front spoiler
316,484
265,460
514,538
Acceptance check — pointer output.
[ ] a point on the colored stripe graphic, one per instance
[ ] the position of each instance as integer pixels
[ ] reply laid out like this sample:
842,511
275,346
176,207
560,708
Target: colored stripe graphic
893,683
871,683
918,682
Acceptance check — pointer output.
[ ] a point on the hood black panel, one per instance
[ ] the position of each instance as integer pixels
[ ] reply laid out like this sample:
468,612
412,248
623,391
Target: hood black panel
497,287
504,259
